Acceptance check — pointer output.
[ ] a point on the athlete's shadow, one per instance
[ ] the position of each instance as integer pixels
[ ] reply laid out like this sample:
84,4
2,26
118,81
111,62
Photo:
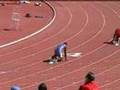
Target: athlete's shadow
48,60
110,43
7,29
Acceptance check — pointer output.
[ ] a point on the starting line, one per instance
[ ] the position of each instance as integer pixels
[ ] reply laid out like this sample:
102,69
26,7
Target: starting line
74,54
2,72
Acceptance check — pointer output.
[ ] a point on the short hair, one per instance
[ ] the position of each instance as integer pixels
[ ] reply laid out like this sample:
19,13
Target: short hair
65,43
42,86
15,87
90,76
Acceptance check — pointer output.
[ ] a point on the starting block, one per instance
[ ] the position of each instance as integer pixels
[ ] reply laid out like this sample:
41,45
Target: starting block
53,61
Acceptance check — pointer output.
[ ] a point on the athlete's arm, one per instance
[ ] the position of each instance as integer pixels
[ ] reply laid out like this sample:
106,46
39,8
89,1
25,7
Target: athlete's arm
65,53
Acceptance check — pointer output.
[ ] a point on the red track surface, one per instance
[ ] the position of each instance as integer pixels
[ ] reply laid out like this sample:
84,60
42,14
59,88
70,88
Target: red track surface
25,24
86,26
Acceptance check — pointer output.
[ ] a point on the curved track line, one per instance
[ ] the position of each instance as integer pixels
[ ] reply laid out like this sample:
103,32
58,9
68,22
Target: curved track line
96,75
83,55
63,64
60,89
60,31
47,38
69,22
35,63
100,60
54,46
104,23
102,72
86,14
77,34
33,54
113,10
33,34
36,83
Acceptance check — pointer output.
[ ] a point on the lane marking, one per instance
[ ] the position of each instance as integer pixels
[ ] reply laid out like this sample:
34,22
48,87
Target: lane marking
60,31
52,79
84,55
2,72
33,34
74,54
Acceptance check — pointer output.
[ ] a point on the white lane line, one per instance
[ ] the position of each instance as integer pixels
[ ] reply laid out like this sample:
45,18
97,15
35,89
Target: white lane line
60,31
43,50
60,65
107,70
98,33
74,54
102,45
52,79
74,83
33,34
2,72
115,12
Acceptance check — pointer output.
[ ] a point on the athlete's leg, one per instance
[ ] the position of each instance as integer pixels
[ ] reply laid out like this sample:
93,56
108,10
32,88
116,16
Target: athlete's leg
114,39
117,41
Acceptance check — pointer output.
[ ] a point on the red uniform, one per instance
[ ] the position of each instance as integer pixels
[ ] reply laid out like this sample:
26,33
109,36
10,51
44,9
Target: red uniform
117,32
89,86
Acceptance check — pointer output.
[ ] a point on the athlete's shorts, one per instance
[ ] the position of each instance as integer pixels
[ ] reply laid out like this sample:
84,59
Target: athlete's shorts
58,53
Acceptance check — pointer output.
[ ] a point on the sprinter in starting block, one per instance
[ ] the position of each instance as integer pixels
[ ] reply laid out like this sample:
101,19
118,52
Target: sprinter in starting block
59,53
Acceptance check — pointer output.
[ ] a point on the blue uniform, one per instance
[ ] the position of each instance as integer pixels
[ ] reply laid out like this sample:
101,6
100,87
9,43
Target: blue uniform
15,87
59,49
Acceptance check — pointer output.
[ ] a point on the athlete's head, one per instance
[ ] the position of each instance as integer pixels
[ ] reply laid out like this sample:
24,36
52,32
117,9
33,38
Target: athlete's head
42,86
65,43
90,77
15,87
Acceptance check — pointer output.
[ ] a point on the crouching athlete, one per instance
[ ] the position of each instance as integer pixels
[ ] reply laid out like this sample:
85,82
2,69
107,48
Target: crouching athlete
60,52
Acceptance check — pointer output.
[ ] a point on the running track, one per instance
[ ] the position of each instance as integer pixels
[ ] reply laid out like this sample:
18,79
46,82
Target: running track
85,26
